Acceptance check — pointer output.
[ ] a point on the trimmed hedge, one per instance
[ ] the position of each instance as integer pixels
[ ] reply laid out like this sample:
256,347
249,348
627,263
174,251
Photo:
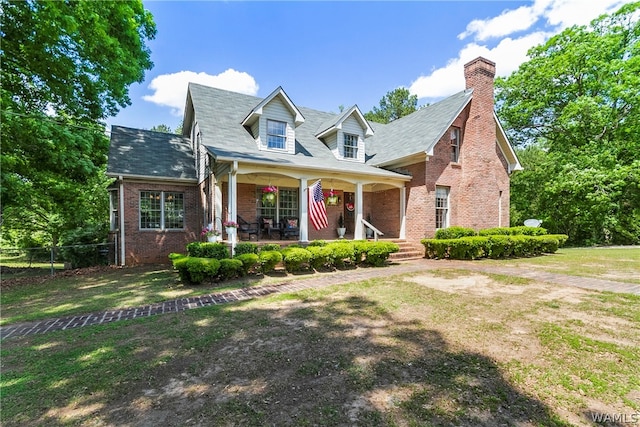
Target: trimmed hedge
296,259
230,268
454,232
269,259
208,250
194,270
494,246
249,261
513,231
246,248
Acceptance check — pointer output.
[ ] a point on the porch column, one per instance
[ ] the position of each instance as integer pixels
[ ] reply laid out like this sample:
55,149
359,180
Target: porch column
304,211
359,232
217,207
403,212
232,204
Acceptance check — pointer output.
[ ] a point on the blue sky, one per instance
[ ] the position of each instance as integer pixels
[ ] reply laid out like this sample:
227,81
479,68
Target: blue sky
327,54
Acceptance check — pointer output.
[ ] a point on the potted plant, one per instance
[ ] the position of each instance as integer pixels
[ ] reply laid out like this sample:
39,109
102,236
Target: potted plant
369,230
341,229
230,226
269,195
210,233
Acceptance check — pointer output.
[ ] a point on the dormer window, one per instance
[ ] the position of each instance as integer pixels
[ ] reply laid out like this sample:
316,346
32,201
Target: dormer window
350,146
455,145
276,134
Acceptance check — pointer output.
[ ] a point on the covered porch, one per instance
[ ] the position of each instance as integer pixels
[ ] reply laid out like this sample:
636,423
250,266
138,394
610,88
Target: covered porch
272,202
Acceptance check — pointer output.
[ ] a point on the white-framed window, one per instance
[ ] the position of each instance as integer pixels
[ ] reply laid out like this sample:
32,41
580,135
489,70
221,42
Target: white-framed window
114,217
276,134
350,146
287,204
161,210
455,144
442,207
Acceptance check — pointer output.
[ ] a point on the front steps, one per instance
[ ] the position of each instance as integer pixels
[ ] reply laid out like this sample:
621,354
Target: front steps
408,250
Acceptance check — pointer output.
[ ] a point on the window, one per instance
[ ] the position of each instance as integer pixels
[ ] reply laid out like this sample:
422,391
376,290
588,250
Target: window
287,204
455,144
114,218
161,210
276,134
442,207
350,146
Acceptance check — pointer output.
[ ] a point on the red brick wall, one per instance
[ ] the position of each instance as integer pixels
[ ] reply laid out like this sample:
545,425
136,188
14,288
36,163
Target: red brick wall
385,213
154,246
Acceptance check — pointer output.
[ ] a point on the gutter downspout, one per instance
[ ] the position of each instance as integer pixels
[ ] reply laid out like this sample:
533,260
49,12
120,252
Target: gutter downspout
122,249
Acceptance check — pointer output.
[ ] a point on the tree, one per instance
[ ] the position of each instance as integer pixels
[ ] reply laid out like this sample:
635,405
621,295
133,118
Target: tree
161,128
395,104
575,109
65,67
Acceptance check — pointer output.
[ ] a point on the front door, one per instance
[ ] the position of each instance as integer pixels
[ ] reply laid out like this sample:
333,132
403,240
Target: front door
349,212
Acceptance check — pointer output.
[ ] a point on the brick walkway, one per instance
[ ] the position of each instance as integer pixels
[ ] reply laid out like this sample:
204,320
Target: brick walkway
317,281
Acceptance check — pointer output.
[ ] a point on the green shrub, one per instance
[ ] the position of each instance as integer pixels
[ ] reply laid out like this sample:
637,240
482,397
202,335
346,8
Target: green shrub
296,258
561,238
230,268
208,250
513,231
360,248
269,260
195,270
246,248
270,247
454,232
321,257
317,243
249,261
342,253
493,246
378,252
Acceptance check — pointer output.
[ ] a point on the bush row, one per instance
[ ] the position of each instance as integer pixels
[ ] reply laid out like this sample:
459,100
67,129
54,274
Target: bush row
458,232
493,246
210,261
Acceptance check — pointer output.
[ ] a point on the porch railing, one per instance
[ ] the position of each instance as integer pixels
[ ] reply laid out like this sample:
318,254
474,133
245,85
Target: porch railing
376,232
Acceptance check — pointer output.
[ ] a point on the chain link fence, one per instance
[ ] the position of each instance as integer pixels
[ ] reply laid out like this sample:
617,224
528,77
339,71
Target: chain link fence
48,260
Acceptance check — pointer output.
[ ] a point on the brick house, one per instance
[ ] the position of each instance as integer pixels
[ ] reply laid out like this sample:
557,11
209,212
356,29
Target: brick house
446,164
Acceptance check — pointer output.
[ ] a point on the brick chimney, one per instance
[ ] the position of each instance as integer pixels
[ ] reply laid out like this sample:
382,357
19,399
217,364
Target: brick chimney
484,179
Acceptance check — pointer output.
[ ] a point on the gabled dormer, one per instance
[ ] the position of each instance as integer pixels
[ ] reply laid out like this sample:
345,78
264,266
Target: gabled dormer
345,135
273,123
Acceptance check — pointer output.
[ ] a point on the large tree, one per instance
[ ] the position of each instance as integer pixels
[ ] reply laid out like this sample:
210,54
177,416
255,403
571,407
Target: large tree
395,104
66,66
574,111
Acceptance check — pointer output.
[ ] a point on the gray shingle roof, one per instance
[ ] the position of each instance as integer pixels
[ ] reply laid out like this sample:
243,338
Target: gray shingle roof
220,112
415,133
136,152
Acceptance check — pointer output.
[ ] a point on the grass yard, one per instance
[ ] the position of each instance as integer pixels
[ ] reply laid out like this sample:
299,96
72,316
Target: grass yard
441,348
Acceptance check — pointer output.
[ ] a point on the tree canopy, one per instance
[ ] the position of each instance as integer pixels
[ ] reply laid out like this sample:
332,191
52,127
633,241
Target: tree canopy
395,104
574,112
65,67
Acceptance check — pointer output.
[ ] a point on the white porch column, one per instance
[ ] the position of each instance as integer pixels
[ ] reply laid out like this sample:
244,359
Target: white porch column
359,232
217,207
304,210
232,203
121,225
403,213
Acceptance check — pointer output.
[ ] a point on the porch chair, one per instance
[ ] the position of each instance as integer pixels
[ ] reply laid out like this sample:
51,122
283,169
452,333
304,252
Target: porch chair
269,227
248,228
289,227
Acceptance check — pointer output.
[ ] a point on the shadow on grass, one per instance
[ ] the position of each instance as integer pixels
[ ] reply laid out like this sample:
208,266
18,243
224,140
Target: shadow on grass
297,359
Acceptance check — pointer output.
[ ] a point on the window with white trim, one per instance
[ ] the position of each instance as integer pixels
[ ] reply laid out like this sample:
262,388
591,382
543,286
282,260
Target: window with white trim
442,207
287,204
455,144
114,217
350,146
160,210
276,134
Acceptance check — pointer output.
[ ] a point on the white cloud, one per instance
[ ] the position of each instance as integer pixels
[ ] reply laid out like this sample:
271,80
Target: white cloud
171,89
509,53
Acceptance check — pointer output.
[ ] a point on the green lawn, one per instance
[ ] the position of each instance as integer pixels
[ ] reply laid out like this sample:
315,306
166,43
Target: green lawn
455,348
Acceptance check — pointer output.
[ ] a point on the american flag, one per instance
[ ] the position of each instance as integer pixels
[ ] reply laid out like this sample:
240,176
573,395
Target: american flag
317,210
